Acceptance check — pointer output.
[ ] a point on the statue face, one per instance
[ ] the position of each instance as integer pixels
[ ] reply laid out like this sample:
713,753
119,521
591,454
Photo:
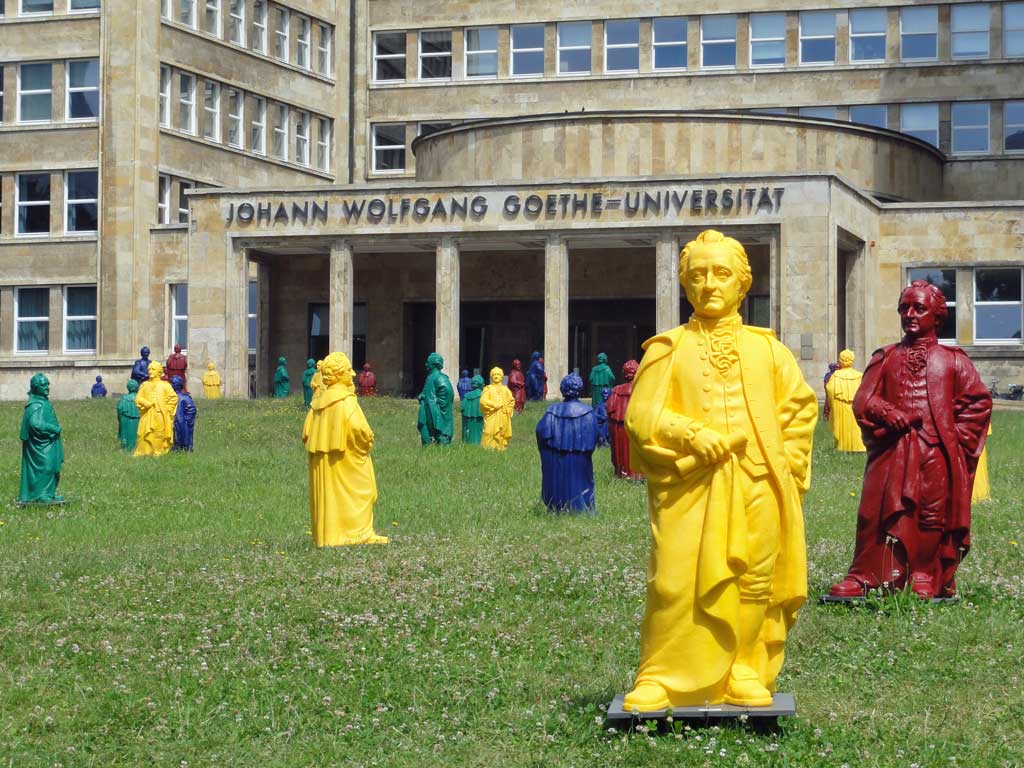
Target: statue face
144,352
177,349
40,386
916,313
496,376
347,375
712,283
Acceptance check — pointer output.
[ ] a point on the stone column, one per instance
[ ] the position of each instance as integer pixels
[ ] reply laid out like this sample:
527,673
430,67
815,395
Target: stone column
556,312
447,295
666,288
341,296
236,327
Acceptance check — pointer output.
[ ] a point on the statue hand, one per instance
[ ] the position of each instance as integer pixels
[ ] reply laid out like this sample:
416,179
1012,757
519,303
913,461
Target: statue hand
896,419
710,446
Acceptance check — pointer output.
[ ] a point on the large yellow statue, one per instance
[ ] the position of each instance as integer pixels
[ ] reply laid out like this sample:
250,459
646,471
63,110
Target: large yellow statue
211,383
342,486
840,389
982,491
496,404
721,423
157,403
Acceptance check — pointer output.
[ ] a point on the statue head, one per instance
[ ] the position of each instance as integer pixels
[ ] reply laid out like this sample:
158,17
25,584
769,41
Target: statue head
629,369
846,358
605,394
517,364
282,361
177,349
571,386
177,383
602,358
922,309
99,379
155,371
144,352
497,375
336,368
535,356
478,382
366,367
463,374
715,273
435,362
39,386
211,367
132,385
311,363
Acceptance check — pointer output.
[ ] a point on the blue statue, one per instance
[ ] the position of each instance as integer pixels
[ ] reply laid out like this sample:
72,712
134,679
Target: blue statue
464,385
98,389
140,371
601,414
535,378
566,438
184,417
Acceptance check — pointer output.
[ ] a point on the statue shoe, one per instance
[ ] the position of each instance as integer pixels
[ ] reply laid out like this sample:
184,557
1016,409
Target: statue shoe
848,587
646,697
922,585
745,688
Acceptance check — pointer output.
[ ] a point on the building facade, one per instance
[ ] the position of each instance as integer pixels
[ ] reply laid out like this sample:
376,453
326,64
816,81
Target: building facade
255,179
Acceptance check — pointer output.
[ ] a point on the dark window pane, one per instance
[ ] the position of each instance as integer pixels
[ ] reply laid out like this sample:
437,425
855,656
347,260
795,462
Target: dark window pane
84,74
391,69
37,6
390,43
574,61
948,329
719,54
253,294
82,185
389,135
876,115
1015,140
669,30
34,187
390,159
868,48
622,32
36,77
82,217
623,59
435,67
435,42
528,37
84,105
34,302
34,219
997,285
81,335
81,301
428,128
531,63
33,337
998,322
943,279
815,51
670,57
919,46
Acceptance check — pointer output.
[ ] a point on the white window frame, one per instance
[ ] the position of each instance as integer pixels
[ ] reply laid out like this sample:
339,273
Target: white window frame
302,137
259,122
781,38
466,53
215,7
193,13
934,31
621,46
719,41
856,35
282,130
513,51
304,44
68,90
803,37
23,12
183,213
1,96
164,103
33,319
89,9
970,126
236,119
684,44
163,199
68,318
404,56
35,92
1009,30
1007,126
236,22
211,116
19,204
175,316
1020,303
187,98
984,32
374,147
323,144
259,26
251,316
68,202
282,37
324,45
420,56
589,48
165,9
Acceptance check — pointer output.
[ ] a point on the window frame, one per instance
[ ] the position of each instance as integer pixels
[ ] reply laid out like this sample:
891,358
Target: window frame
258,39
90,9
19,204
68,202
183,213
374,147
719,41
236,119
559,48
213,134
977,303
193,12
236,27
302,137
883,107
953,128
1009,30
282,37
684,44
282,130
779,39
512,50
164,98
958,9
903,108
252,315
466,53
884,34
69,89
404,56
34,92
190,103
908,10
163,199
304,42
175,315
801,38
324,135
620,46
23,12
324,50
259,120
32,319
215,6
1008,125
94,318
420,56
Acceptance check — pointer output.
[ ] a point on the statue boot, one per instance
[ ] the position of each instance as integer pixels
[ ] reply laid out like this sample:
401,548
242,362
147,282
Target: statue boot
646,697
745,688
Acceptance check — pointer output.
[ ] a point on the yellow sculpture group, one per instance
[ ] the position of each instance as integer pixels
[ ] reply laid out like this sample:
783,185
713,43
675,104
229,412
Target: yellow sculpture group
840,390
721,423
157,403
497,403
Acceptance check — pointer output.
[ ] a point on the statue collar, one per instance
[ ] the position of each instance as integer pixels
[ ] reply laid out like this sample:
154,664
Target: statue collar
715,324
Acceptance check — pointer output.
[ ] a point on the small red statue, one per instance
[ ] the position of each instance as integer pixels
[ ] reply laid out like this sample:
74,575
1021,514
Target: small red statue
367,381
177,364
924,414
517,383
616,405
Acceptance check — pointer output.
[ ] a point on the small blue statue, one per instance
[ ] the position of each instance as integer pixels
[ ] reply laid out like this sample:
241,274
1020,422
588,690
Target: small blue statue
98,389
464,384
601,414
140,371
566,438
184,417
535,378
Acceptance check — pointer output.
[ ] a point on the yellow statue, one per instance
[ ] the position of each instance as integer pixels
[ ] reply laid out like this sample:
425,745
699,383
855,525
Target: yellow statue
842,386
157,403
342,486
211,383
497,403
982,491
721,423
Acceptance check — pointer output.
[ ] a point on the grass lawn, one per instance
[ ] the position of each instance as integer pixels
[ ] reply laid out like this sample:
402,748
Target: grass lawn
176,613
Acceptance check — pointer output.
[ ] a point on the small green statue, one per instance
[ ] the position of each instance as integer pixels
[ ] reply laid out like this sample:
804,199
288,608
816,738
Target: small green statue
472,417
282,384
436,421
307,381
42,452
601,376
128,417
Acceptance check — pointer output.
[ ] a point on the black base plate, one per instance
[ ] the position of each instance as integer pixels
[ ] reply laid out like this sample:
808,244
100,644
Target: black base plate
783,705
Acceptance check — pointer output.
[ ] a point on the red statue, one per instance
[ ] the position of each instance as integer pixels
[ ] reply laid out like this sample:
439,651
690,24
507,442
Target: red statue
924,413
616,406
177,364
517,383
367,381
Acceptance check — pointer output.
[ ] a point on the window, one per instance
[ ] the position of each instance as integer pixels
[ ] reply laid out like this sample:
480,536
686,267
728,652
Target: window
83,90
970,30
830,113
165,96
482,52
1,86
918,32
389,56
323,144
165,8
767,39
1013,126
669,41
253,303
80,195
163,199
29,7
80,318
303,43
1013,29
211,17
179,315
527,50
211,110
970,127
302,138
187,12
436,55
35,93
236,22
282,23
921,121
279,136
259,26
32,204
997,304
870,114
574,41
183,186
389,148
817,37
258,131
83,5
622,46
236,113
425,129
944,280
32,313
867,34
323,50
717,41
187,103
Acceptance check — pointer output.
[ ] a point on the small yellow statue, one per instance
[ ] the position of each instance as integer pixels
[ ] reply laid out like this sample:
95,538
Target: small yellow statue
496,404
840,390
982,491
721,423
157,403
211,382
342,486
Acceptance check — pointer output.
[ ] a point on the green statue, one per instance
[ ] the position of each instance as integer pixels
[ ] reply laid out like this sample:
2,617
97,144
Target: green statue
128,417
282,385
436,421
601,376
472,417
307,381
42,452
